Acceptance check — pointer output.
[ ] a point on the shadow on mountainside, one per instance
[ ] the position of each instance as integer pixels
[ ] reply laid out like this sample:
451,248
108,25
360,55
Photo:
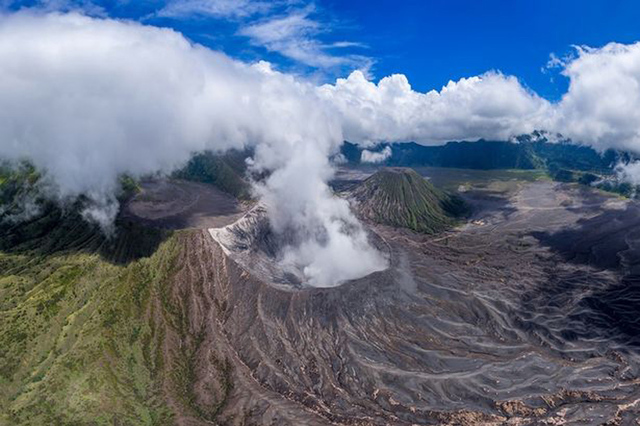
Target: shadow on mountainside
610,240
56,231
601,296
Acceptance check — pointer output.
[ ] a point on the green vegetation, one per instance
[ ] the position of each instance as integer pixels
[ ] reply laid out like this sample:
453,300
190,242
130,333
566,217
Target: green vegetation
562,161
605,182
483,155
225,171
526,154
76,343
502,180
401,197
75,346
129,187
575,157
30,223
84,319
18,190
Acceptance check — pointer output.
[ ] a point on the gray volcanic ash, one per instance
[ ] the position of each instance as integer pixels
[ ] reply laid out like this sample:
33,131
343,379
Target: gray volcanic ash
252,242
483,325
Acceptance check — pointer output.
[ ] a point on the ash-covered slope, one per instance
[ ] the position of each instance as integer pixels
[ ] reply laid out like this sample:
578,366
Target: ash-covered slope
251,242
253,245
401,197
488,328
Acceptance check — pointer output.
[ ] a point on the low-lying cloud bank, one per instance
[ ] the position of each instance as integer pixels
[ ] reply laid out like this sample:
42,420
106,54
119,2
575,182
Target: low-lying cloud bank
375,156
600,108
90,99
488,106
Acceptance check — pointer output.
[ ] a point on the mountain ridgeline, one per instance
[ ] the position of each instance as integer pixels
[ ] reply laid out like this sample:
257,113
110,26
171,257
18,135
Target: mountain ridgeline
401,197
525,153
224,171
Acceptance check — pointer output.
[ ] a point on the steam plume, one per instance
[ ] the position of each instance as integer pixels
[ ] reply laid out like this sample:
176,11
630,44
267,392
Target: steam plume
87,100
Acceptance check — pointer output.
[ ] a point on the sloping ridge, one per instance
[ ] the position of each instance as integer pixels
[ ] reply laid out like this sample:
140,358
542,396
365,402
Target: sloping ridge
253,245
401,197
257,249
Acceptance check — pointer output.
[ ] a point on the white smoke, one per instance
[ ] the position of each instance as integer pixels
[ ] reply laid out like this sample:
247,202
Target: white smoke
87,100
333,246
375,157
629,172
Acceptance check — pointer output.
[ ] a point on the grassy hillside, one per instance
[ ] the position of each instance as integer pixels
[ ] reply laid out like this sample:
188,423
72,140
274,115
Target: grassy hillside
84,319
401,197
225,171
76,343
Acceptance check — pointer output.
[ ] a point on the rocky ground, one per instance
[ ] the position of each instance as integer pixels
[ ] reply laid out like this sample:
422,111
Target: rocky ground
180,204
525,315
491,323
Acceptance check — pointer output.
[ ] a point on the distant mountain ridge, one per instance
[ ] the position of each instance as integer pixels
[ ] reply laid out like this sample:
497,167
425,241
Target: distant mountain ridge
401,197
525,152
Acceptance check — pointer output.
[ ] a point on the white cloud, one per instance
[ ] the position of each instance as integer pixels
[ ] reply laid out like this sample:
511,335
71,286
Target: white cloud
488,106
556,62
629,172
295,36
344,44
87,7
89,99
375,157
215,8
339,158
602,105
291,28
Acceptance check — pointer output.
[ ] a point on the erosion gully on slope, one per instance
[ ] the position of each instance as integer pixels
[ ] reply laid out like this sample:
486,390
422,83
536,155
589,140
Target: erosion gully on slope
486,323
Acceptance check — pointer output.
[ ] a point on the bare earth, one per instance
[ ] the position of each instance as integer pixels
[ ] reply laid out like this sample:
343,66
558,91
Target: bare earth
526,315
178,204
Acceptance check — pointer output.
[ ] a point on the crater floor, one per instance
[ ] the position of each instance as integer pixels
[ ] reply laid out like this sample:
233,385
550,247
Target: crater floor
525,315
501,321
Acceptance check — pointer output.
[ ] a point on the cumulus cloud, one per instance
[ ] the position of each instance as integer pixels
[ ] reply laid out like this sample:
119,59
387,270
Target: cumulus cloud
602,104
487,106
601,107
89,99
375,157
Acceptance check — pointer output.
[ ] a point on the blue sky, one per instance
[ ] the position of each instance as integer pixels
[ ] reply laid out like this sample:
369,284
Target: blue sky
90,88
435,41
431,41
